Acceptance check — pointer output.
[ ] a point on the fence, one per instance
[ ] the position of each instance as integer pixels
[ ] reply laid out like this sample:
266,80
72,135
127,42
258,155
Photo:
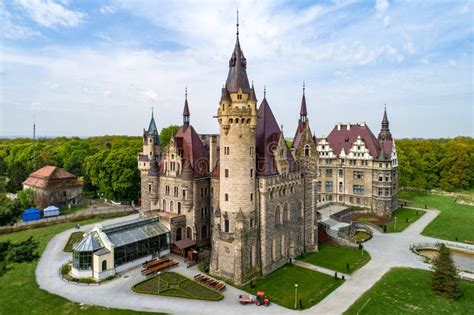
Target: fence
84,214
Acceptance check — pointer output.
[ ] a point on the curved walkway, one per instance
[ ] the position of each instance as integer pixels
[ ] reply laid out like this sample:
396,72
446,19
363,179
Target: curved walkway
387,251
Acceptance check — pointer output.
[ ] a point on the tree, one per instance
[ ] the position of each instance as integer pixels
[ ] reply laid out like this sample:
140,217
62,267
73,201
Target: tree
26,198
444,280
16,175
167,133
456,167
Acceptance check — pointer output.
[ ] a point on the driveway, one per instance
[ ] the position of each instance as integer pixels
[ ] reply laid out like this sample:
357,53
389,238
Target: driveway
387,251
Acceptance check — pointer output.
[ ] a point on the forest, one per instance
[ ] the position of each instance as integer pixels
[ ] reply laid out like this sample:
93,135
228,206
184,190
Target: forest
108,164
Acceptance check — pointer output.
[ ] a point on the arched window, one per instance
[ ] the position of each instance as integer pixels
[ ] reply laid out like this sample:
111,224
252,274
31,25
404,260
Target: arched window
189,233
171,205
286,213
203,232
179,234
226,197
306,150
164,205
104,265
278,215
179,207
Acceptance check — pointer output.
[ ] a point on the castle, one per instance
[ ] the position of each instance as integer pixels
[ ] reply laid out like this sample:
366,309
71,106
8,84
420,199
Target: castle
247,195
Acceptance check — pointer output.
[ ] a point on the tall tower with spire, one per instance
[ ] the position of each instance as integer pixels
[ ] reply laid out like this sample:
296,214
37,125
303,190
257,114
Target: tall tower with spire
385,134
234,243
148,164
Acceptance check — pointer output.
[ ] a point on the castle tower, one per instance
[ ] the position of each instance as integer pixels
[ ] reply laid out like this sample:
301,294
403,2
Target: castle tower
304,151
235,233
148,164
385,133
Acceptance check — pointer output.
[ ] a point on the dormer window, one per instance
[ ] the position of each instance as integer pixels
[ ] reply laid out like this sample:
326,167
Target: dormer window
306,150
239,96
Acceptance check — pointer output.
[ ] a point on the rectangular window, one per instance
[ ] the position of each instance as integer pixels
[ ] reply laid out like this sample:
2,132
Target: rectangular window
329,172
226,197
341,173
318,186
149,187
340,187
251,197
387,191
226,150
358,189
358,175
226,225
329,186
251,173
387,177
226,172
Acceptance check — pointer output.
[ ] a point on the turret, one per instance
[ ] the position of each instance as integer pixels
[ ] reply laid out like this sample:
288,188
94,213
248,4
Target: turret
186,109
303,110
385,134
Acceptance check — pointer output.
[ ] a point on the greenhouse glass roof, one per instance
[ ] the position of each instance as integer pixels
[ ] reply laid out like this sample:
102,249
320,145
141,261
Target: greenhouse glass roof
134,230
89,243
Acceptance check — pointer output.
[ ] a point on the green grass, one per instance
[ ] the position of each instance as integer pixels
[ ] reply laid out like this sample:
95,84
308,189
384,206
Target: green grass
404,217
20,294
408,291
73,209
74,238
176,285
336,258
279,286
455,221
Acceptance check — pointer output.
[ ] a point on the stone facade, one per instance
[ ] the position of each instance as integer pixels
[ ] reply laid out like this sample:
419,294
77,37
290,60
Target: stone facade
246,194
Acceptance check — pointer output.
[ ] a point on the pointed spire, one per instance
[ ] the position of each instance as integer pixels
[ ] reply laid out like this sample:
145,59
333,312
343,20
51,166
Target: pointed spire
253,97
264,92
385,133
152,130
186,108
237,76
303,110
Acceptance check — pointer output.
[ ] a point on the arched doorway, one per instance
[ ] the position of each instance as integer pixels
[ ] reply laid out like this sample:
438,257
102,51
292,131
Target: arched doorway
104,265
178,234
203,232
189,233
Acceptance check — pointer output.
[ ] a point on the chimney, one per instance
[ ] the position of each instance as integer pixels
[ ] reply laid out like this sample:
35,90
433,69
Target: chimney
348,126
339,126
212,152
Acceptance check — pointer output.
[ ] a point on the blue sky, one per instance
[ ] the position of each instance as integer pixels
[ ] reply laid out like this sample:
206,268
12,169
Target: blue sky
85,68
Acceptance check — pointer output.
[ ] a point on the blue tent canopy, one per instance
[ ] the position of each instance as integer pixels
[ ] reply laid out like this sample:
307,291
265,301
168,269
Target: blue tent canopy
31,214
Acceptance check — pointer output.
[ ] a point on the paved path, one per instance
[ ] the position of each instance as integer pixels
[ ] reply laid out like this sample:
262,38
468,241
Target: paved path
319,269
387,251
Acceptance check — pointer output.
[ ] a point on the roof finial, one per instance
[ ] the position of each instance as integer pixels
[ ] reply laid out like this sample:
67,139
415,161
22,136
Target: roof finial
237,22
303,87
264,91
186,92
152,112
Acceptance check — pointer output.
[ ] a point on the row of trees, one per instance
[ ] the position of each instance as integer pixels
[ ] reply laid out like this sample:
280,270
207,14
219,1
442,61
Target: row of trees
108,164
446,164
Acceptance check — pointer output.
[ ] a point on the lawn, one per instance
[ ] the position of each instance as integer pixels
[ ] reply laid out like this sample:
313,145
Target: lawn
402,218
361,236
337,257
73,209
175,285
407,291
280,286
74,238
20,294
455,221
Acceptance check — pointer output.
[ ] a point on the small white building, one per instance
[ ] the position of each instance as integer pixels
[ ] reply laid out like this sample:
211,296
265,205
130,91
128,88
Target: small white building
107,250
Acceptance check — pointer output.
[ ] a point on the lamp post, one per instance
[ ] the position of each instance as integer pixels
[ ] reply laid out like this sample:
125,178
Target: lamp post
296,294
159,282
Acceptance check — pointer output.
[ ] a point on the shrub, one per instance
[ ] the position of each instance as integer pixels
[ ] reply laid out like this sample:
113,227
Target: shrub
445,281
65,269
86,280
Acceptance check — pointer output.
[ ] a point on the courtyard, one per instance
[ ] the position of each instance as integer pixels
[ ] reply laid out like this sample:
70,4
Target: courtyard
387,251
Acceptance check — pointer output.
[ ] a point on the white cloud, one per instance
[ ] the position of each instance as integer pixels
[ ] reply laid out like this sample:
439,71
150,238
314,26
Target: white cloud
108,9
386,21
452,63
50,14
12,29
381,6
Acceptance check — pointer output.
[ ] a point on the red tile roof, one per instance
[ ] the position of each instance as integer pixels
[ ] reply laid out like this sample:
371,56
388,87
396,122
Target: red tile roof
267,137
51,177
344,138
193,150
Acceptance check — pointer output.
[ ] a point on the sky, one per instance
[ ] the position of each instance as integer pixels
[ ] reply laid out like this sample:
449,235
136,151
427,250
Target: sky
86,68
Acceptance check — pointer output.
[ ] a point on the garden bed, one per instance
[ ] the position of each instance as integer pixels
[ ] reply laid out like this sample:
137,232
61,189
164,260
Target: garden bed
74,238
176,285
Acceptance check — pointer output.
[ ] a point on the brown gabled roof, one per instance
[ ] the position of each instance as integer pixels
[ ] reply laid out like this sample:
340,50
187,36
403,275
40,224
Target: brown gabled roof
188,141
344,138
51,177
268,135
298,135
